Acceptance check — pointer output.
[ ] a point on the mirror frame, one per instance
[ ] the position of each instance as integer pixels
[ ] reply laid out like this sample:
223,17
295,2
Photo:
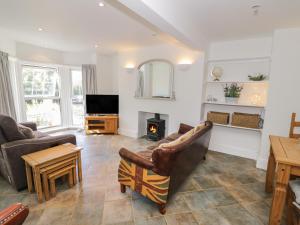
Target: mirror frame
172,86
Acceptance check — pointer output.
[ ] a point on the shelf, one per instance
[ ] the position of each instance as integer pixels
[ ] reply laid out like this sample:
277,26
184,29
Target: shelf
239,82
234,104
249,59
235,127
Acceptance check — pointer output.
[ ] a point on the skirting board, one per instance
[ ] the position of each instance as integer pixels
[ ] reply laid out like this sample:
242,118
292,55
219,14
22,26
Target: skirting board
128,133
245,153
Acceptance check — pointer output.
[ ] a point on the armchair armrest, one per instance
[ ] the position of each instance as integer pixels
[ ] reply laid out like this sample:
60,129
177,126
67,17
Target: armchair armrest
136,159
31,125
183,128
14,215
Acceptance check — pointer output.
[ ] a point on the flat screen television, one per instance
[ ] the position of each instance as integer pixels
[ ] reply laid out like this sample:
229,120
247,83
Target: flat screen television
102,104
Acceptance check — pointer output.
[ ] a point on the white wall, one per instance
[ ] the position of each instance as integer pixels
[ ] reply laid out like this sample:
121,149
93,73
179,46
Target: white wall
248,48
34,53
188,89
284,91
7,44
107,74
79,58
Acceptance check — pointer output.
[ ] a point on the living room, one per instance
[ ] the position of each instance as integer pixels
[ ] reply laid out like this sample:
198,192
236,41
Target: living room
149,112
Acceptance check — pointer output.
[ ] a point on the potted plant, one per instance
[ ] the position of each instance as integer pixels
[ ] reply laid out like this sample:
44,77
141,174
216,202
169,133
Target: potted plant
257,77
232,92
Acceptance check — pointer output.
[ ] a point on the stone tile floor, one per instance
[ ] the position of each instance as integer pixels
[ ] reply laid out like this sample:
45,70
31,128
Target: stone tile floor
223,190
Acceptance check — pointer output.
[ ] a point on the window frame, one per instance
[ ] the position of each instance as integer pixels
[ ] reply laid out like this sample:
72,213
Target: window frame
24,98
72,96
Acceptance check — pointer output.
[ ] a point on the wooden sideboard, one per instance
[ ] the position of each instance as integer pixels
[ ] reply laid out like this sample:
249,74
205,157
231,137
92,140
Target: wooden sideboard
101,124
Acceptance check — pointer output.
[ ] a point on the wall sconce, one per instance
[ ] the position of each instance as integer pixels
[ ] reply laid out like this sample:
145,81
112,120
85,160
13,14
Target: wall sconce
184,65
129,68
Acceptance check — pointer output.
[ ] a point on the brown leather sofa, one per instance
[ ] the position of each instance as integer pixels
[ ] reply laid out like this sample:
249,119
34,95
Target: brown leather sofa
14,214
14,144
158,172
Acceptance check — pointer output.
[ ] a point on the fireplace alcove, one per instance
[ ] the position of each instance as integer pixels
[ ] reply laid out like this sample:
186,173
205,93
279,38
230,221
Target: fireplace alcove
142,123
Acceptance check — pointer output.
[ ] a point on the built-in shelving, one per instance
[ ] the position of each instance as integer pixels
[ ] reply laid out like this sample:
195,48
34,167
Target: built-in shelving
234,104
236,127
236,60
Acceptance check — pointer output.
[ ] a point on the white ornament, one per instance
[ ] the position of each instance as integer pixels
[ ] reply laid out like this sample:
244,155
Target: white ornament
217,73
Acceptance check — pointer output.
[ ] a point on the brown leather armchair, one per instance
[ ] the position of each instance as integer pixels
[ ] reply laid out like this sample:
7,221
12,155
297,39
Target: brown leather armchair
14,214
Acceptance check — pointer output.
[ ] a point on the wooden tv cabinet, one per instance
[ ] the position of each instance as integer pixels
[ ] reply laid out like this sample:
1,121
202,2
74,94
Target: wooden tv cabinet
101,124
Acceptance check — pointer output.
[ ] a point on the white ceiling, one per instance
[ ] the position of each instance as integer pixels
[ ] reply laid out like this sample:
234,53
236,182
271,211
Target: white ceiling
73,25
227,19
77,25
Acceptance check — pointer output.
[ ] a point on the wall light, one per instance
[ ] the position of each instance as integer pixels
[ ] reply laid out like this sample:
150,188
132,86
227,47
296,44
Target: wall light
184,64
129,67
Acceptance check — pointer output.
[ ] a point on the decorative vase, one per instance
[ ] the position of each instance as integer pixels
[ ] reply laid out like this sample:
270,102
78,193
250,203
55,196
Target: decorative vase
232,100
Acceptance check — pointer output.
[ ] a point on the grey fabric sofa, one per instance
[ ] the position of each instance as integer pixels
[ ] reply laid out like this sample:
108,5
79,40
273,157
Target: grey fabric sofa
13,144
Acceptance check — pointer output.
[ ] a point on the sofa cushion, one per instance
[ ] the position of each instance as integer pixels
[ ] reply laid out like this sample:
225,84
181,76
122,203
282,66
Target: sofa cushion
158,143
2,138
26,131
183,138
199,127
10,129
173,136
178,141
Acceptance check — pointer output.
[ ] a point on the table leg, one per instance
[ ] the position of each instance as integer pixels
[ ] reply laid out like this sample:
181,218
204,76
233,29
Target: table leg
79,167
74,173
279,195
46,186
28,176
52,187
38,184
70,178
270,172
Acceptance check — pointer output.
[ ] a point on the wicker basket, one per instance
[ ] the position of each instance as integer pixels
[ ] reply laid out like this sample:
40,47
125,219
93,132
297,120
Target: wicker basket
218,117
245,120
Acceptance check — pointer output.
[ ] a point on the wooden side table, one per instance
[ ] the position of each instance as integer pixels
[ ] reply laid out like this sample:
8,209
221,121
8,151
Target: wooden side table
45,172
41,161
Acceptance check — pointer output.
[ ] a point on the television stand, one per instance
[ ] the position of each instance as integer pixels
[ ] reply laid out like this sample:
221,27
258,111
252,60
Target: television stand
105,124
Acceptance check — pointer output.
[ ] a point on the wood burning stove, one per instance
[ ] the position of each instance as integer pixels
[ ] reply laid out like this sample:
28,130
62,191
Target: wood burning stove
155,128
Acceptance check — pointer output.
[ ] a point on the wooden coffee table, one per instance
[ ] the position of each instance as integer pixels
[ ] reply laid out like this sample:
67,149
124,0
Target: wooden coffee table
49,158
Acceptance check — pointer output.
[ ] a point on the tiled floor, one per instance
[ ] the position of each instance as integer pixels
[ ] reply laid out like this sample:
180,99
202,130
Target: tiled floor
223,190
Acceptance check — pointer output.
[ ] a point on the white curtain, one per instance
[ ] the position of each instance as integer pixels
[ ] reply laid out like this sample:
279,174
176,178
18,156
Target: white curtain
66,94
7,105
89,79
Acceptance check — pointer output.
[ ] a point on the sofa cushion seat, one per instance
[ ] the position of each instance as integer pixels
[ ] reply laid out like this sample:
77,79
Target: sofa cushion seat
38,134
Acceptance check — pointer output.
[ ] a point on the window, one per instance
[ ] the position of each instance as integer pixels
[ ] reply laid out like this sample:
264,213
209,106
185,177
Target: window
42,95
77,98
